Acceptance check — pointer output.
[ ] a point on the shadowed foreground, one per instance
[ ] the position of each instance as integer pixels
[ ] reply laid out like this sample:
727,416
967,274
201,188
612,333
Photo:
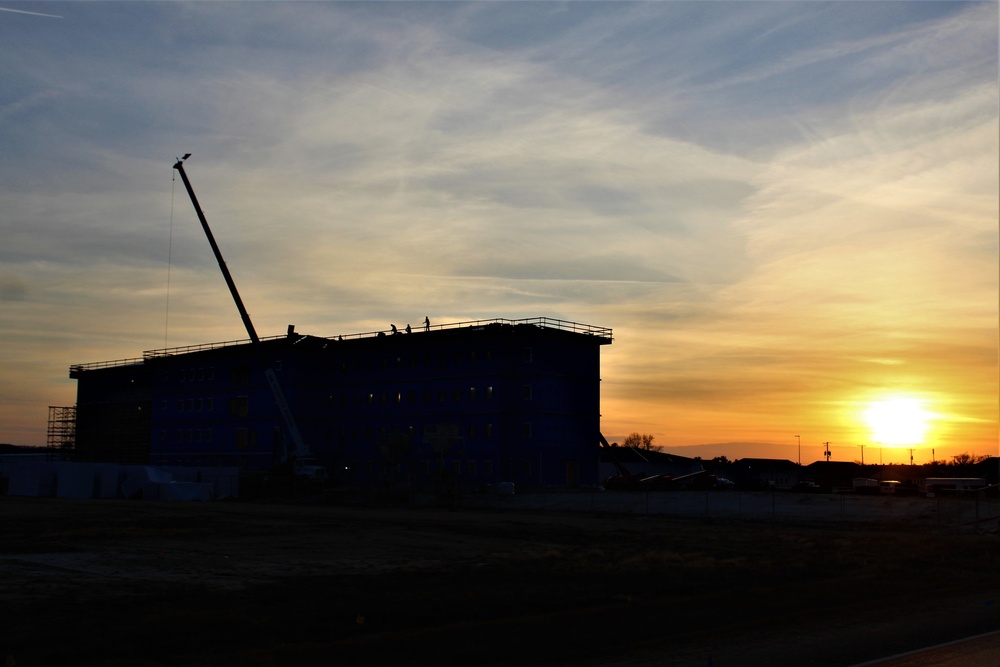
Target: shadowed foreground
142,583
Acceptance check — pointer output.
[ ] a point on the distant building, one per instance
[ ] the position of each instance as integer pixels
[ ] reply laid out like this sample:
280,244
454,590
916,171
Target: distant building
470,404
765,473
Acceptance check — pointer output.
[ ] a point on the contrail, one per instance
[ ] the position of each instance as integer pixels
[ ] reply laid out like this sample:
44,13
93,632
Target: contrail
21,11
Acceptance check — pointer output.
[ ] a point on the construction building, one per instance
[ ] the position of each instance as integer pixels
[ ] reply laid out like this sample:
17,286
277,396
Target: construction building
469,404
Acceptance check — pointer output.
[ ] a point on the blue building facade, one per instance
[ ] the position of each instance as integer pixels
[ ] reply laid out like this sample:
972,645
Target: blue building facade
464,405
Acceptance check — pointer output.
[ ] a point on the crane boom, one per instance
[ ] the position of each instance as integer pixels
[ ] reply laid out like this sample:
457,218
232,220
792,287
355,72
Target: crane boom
272,380
179,166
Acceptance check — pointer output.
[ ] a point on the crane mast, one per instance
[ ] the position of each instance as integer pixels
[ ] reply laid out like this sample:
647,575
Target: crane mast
272,379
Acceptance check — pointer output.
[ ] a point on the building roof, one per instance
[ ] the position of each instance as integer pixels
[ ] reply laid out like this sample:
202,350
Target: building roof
601,335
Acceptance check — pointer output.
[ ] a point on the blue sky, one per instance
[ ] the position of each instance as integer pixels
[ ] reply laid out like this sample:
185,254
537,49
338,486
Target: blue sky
784,210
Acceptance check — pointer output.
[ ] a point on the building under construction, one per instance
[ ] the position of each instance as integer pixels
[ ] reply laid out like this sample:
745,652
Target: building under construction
470,404
462,405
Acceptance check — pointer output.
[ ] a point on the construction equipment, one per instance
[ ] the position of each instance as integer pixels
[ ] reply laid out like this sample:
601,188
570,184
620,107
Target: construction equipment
301,451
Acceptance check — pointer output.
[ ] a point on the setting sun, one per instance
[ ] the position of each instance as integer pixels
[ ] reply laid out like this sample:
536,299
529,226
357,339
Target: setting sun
898,421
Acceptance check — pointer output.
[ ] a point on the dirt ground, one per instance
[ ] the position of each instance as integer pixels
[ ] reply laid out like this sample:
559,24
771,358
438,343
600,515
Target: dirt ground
114,583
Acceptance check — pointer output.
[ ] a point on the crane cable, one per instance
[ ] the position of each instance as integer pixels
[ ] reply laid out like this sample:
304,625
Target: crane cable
170,250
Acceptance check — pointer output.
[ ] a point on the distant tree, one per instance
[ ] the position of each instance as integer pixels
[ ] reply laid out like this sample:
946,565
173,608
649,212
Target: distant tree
965,458
641,441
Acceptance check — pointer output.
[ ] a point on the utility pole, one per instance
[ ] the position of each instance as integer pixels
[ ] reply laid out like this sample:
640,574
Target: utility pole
862,454
826,452
799,438
911,456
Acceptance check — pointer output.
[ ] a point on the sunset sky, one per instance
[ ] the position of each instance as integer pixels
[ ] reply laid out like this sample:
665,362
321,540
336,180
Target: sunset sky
787,212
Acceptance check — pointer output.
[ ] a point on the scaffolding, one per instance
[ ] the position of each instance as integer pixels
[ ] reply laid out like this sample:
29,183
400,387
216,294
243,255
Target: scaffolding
62,428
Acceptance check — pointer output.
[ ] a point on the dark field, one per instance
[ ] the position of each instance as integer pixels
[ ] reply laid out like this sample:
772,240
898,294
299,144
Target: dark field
117,583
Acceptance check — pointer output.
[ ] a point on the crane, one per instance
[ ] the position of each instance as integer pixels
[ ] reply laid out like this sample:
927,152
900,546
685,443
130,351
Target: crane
301,452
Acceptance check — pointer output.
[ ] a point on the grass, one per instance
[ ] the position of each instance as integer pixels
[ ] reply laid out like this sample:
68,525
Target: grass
451,587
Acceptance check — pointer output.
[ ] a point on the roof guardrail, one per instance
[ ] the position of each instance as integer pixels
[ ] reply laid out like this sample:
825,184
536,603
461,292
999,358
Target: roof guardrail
542,322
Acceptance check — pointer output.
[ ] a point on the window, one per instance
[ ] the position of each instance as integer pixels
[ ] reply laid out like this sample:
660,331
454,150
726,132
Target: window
472,431
489,393
472,393
526,355
526,430
470,468
239,406
488,468
245,438
526,393
489,430
209,404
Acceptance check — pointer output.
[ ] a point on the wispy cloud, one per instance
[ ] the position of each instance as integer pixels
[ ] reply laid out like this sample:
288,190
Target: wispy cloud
779,207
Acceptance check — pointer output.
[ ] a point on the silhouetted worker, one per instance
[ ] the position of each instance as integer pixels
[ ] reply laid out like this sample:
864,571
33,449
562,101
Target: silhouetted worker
393,328
408,329
427,324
